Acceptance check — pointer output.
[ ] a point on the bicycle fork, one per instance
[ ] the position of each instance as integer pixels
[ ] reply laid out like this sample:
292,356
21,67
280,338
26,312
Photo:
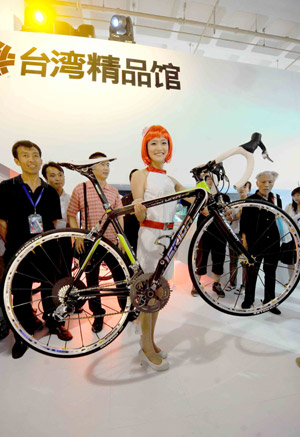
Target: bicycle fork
231,237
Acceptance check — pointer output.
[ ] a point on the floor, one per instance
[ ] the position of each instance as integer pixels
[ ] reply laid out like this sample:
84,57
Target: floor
228,376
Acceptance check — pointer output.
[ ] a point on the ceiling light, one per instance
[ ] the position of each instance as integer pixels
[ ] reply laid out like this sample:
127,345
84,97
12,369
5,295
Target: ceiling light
121,29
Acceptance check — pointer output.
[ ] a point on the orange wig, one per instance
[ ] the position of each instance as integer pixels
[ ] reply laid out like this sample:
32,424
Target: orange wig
156,131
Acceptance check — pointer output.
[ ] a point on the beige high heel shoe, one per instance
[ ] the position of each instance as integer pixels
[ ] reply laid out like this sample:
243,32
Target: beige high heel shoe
164,365
162,354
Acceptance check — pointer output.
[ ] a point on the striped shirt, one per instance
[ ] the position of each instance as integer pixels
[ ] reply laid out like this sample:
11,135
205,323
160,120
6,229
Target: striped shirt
95,209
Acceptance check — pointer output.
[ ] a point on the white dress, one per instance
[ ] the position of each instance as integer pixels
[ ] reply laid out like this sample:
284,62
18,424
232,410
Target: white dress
148,253
295,215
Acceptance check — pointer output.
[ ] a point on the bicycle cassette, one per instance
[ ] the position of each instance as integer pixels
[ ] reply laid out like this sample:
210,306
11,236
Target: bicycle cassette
149,299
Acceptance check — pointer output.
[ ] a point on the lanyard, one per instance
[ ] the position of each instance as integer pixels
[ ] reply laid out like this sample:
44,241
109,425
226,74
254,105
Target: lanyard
29,197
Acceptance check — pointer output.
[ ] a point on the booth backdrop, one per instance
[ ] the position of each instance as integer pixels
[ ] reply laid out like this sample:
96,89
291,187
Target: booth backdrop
74,96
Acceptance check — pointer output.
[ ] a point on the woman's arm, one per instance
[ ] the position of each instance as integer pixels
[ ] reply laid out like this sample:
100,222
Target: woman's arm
179,187
138,184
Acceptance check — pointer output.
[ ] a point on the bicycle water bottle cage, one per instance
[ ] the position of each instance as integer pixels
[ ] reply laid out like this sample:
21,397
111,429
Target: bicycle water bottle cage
161,244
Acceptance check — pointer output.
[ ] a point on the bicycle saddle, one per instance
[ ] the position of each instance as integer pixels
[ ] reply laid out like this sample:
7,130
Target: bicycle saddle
89,163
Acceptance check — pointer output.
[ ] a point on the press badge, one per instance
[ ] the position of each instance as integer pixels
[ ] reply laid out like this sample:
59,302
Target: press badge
35,223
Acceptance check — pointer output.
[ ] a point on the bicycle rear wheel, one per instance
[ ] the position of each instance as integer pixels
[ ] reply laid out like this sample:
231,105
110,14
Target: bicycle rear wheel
39,276
256,289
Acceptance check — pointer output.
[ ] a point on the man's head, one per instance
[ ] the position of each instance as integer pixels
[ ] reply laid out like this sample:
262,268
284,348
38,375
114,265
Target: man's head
27,155
54,175
208,179
101,170
244,190
265,182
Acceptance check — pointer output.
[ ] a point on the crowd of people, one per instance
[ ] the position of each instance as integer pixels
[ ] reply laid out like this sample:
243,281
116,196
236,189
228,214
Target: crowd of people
31,205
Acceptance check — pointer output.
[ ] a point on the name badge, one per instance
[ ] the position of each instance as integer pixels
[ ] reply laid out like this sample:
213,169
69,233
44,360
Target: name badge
35,223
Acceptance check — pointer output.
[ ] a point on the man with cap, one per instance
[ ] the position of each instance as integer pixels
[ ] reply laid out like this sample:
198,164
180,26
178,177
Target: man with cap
85,200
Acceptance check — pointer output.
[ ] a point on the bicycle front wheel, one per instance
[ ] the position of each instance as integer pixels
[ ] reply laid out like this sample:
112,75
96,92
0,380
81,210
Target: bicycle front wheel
37,285
244,290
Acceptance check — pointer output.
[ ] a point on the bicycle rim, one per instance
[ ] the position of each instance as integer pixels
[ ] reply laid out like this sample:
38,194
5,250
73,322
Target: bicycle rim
211,254
35,285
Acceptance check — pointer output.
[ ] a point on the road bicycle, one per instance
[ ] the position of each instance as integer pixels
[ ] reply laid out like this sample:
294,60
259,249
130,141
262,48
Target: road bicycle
50,264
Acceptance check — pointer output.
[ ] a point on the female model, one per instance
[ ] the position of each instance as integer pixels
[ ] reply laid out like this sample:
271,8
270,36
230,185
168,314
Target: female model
148,184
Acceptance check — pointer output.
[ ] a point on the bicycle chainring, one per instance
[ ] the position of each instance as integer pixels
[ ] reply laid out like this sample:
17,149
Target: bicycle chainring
149,299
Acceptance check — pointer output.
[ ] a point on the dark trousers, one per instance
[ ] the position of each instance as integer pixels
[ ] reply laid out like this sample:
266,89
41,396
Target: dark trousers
32,270
114,271
270,262
234,258
217,246
92,280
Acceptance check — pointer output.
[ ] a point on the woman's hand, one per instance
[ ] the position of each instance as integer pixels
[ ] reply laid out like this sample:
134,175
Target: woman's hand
205,211
139,210
229,215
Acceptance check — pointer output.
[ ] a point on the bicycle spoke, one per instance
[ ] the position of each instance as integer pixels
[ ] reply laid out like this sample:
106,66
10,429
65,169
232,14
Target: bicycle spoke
100,298
222,261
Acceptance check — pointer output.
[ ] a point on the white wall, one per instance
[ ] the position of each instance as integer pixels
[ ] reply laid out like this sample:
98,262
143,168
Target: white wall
219,106
11,14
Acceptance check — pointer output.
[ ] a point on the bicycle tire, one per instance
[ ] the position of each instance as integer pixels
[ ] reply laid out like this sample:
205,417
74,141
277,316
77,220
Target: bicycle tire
44,261
285,282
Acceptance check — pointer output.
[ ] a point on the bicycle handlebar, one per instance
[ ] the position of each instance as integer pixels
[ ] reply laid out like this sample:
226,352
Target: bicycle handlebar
250,163
247,150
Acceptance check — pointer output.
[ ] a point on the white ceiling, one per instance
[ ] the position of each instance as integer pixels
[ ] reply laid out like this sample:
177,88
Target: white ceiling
262,32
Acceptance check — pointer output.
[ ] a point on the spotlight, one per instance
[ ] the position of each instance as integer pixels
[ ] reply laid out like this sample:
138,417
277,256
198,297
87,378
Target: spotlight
86,30
63,28
39,17
121,29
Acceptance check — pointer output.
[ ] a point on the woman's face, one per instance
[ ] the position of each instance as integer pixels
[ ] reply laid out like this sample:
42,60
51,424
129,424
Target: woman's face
158,149
296,198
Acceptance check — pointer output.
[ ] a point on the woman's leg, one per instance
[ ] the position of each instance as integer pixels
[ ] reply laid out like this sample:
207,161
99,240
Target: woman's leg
148,321
147,339
154,320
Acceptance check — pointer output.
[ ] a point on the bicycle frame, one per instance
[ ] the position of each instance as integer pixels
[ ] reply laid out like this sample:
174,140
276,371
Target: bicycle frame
201,197
201,200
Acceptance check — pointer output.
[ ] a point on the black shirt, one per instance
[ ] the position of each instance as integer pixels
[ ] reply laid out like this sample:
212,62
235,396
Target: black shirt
16,208
131,223
260,226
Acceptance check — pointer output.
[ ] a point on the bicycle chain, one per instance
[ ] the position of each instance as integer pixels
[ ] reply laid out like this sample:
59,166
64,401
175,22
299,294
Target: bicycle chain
99,315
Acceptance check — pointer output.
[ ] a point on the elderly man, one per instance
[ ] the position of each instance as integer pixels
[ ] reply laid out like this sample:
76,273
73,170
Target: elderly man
266,248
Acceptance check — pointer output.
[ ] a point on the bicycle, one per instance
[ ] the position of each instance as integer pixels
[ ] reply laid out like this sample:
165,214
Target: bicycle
123,287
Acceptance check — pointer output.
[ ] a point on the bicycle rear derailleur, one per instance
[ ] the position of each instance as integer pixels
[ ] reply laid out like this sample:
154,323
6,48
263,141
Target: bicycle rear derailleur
66,304
146,298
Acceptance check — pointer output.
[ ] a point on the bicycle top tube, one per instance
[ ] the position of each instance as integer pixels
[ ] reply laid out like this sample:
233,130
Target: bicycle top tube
161,200
86,169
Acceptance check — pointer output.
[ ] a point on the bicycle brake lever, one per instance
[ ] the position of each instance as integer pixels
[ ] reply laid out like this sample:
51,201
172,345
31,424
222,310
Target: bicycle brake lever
266,156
